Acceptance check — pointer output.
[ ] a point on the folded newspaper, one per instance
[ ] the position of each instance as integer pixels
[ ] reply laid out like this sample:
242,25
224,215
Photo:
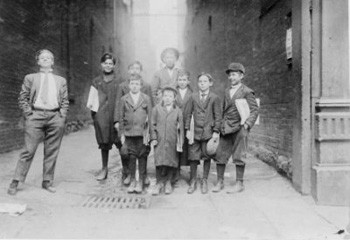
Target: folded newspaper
243,109
93,103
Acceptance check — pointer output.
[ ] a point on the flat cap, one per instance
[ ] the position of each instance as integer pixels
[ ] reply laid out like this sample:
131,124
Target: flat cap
235,67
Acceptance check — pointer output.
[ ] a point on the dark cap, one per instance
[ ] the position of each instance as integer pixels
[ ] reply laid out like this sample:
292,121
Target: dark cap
235,67
169,88
172,50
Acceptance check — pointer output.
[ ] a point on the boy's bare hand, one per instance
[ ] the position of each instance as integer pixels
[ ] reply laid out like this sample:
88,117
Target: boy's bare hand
154,143
116,126
215,136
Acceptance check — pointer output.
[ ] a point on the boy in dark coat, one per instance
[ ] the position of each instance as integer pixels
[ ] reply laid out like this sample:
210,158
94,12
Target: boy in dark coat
234,131
184,93
205,106
133,118
167,138
133,68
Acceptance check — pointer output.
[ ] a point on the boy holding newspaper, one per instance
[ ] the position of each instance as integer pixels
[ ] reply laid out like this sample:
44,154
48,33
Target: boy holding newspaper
240,111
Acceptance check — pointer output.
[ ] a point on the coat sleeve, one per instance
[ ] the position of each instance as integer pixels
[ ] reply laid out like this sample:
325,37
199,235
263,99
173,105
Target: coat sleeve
121,112
254,109
155,87
64,98
154,124
217,114
148,92
187,114
24,96
117,105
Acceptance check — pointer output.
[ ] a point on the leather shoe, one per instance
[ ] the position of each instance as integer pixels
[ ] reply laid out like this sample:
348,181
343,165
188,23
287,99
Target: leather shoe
237,187
12,188
204,187
168,188
132,186
193,186
138,187
48,187
127,180
218,186
102,175
156,190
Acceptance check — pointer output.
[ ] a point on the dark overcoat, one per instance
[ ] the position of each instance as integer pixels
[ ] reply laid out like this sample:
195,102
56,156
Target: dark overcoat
103,119
207,116
166,128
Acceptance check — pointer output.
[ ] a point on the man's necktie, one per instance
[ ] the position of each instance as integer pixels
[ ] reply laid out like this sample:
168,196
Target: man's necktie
45,89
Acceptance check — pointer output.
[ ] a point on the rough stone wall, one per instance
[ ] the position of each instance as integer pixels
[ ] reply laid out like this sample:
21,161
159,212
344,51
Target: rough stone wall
252,32
77,31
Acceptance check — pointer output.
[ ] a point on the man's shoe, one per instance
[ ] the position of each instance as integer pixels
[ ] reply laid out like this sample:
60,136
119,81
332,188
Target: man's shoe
156,190
218,186
127,180
146,182
138,187
237,187
102,175
132,186
13,188
193,186
168,188
48,187
204,187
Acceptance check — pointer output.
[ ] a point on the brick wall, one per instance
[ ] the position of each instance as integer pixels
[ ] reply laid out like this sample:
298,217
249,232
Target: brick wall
77,31
252,32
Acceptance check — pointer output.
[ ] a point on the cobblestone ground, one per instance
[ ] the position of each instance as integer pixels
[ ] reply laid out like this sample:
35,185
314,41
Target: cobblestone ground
269,208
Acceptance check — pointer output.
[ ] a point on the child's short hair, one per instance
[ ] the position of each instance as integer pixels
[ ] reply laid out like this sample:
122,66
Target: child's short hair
135,77
107,56
211,79
38,53
171,50
183,72
135,63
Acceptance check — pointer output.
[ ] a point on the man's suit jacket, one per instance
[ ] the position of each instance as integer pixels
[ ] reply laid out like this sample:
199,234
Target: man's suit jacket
162,79
207,116
30,90
231,121
181,102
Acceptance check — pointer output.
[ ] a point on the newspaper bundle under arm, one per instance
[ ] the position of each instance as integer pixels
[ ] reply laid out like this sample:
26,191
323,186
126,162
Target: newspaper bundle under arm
191,131
243,109
93,103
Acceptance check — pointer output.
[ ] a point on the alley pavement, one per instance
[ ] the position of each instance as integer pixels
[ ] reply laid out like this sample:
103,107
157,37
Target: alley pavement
269,208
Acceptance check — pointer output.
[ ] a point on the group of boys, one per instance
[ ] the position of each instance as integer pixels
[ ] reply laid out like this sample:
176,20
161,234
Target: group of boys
180,125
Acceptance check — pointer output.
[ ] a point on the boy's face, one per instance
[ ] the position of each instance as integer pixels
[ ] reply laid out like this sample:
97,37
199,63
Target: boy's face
204,83
183,81
108,65
235,77
135,86
170,59
45,60
168,97
134,69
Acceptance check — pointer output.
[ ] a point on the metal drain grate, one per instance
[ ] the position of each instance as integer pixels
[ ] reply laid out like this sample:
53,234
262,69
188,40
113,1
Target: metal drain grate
117,202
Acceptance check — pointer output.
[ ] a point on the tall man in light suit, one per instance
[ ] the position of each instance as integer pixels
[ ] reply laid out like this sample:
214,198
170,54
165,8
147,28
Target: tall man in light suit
44,102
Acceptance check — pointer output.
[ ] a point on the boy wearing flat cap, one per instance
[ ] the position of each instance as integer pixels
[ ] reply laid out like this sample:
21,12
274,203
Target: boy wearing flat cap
166,76
234,131
205,107
167,139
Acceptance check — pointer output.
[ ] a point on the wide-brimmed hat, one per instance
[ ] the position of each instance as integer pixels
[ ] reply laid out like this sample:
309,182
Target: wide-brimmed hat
235,67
